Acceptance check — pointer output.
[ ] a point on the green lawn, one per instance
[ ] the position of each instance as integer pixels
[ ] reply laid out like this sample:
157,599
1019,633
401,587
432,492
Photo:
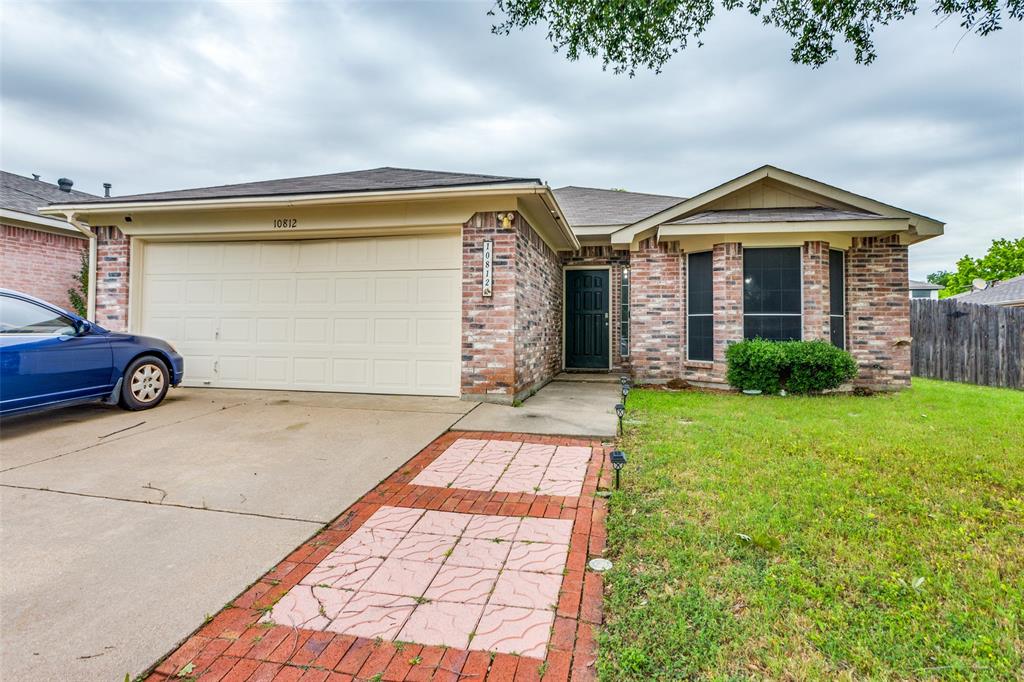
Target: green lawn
811,538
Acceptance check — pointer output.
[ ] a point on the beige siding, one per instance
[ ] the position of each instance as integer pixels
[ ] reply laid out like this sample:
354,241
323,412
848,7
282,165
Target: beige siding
770,194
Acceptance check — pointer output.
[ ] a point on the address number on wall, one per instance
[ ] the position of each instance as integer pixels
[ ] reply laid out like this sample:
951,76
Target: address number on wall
286,223
488,267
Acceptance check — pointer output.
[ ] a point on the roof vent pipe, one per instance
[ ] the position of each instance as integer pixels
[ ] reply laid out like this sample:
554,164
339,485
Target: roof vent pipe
35,176
106,189
65,184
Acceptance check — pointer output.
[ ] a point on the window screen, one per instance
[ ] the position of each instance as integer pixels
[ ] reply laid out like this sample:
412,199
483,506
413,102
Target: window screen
837,298
624,315
771,294
700,335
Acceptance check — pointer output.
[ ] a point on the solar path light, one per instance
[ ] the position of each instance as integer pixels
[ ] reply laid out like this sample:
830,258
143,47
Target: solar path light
620,412
618,458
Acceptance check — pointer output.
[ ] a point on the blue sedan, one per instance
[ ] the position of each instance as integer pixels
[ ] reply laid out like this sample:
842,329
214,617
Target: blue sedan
51,358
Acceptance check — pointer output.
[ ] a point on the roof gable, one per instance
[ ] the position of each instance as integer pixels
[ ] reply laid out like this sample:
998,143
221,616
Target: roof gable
770,187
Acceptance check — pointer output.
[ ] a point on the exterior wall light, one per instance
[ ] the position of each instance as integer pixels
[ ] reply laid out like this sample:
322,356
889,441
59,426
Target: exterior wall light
506,220
620,412
618,458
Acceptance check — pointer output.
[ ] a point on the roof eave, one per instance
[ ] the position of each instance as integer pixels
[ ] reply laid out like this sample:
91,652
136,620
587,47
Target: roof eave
668,231
276,200
38,222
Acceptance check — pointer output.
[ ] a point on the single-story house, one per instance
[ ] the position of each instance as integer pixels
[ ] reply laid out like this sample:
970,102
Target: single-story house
1008,292
920,289
39,254
432,283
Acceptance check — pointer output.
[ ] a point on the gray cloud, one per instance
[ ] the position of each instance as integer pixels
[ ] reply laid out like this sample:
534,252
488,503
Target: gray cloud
155,96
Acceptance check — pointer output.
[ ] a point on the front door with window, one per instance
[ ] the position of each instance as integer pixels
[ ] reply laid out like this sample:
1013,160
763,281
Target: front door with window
586,319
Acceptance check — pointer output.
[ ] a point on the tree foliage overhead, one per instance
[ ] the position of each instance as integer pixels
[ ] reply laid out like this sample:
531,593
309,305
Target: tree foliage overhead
1004,259
628,35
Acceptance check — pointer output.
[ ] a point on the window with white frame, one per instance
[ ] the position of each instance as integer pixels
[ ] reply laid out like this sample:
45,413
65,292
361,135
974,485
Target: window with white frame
772,301
700,331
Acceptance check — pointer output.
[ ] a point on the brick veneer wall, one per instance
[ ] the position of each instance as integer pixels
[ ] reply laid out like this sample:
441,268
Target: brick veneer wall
878,311
816,290
656,312
488,323
41,264
538,316
616,261
112,267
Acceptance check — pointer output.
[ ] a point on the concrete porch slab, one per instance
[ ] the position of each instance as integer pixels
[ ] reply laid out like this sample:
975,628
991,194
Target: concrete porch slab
571,405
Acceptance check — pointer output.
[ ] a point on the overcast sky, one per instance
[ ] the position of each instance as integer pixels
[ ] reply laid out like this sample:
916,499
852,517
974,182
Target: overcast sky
166,96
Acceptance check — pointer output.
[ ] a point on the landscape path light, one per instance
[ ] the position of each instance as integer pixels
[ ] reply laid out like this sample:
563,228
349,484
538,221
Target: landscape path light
620,412
618,458
625,393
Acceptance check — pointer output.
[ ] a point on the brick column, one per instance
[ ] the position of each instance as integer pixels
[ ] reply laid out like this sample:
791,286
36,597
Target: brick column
113,254
656,311
816,290
488,323
538,311
878,311
727,282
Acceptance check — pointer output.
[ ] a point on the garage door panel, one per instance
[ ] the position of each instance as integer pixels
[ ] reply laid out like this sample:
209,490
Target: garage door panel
199,329
234,368
340,315
277,256
239,256
311,330
313,291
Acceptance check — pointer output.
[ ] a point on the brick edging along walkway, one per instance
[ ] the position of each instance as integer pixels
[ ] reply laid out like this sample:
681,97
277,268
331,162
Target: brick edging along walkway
234,646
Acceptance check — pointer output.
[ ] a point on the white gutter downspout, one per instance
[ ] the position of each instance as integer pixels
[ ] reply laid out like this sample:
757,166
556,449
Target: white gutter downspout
91,293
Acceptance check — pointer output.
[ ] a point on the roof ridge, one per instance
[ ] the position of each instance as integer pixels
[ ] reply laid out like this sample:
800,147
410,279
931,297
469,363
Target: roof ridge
619,191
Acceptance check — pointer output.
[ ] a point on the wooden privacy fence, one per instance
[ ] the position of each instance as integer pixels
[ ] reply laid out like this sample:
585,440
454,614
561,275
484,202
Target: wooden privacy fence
967,342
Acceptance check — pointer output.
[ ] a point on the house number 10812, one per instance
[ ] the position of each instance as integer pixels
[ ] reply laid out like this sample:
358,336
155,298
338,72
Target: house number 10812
286,223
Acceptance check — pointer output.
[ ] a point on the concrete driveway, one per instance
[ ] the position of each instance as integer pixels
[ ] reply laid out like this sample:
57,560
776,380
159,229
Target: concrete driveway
120,531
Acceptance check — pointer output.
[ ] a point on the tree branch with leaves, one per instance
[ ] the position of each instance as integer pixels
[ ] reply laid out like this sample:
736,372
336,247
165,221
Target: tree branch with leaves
629,35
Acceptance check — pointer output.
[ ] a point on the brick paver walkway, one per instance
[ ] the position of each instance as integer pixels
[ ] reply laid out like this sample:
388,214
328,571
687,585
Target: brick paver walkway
468,563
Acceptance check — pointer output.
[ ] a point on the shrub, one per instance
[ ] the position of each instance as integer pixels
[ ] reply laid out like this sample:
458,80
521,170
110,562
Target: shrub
755,365
797,366
817,366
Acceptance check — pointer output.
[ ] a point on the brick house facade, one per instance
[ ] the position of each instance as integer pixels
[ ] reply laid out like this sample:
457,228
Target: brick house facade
41,264
511,340
40,255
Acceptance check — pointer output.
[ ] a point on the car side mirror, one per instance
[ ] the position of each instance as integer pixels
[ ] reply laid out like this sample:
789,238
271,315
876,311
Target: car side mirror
82,327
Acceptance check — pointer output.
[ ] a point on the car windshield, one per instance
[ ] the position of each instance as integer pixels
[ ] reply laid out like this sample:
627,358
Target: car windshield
18,316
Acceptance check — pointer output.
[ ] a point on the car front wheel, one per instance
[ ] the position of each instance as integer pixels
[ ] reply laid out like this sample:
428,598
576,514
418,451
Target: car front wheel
145,383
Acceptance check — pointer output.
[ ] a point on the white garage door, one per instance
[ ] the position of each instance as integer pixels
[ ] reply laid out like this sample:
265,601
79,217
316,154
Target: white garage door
378,315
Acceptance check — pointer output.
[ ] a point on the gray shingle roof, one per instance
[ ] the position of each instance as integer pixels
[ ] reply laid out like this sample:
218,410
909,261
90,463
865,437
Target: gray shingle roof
592,206
372,180
917,284
1008,291
771,215
25,195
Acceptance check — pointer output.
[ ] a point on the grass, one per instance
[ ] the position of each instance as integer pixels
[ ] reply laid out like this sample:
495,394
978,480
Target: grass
833,537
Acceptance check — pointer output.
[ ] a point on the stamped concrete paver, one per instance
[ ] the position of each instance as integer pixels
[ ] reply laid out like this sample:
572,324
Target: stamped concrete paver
509,467
471,558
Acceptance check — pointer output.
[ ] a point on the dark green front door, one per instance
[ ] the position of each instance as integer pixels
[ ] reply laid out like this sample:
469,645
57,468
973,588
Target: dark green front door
586,319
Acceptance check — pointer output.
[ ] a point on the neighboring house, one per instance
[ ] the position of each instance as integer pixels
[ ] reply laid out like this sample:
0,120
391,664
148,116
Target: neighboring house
1009,292
431,283
924,289
39,254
